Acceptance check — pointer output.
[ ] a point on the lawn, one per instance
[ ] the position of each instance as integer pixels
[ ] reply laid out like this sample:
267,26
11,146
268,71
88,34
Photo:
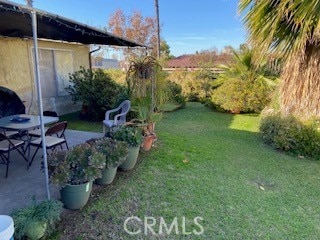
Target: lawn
212,166
77,124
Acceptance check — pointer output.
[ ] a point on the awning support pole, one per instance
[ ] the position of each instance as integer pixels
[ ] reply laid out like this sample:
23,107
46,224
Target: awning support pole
40,107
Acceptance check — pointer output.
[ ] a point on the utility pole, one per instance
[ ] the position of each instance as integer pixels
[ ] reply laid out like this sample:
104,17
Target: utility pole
158,27
29,3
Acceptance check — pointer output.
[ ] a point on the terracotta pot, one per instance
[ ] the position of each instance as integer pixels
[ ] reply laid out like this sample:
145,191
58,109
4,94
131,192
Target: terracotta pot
147,142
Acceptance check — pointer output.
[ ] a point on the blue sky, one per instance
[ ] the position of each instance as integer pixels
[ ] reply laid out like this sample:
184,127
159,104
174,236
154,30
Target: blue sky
187,26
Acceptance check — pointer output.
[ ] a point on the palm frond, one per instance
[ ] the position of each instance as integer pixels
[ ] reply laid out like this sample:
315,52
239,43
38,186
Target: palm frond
283,26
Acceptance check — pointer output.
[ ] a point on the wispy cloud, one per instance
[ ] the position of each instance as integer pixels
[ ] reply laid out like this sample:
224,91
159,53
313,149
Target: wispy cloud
180,43
192,38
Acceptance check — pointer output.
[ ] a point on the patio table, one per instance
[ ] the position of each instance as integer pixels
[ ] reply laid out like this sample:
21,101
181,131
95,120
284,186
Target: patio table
9,123
23,123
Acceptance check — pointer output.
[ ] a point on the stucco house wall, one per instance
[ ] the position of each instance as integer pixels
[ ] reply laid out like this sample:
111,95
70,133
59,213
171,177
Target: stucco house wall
57,60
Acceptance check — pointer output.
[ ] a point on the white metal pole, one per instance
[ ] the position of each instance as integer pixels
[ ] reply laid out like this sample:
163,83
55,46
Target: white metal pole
40,107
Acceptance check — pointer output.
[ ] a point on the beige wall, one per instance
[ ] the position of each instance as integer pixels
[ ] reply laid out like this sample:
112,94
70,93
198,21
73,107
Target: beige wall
16,71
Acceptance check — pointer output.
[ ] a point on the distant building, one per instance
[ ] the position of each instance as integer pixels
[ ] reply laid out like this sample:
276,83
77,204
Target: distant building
192,62
103,63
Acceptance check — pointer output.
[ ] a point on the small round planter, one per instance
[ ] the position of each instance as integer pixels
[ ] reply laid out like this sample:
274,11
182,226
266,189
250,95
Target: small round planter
76,196
108,176
131,159
37,231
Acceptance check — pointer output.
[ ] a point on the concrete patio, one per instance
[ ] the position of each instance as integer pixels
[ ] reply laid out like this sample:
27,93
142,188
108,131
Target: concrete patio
22,185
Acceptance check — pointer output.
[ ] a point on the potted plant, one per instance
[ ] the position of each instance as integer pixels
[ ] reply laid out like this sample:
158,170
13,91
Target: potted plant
36,220
146,120
115,153
132,136
152,119
74,170
148,139
148,132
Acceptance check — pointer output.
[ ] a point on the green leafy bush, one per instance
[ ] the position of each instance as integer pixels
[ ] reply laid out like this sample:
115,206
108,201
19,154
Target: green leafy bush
201,84
290,135
174,93
196,85
115,152
131,135
77,165
118,75
243,86
182,78
97,91
238,96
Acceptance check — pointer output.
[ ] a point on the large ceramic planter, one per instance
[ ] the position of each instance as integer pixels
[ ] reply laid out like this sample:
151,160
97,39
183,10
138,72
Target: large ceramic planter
131,159
108,174
76,196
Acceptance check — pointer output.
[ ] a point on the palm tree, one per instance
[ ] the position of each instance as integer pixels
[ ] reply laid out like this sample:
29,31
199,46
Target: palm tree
244,86
291,29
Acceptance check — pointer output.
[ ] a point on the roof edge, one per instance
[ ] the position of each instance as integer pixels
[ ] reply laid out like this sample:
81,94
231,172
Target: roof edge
28,9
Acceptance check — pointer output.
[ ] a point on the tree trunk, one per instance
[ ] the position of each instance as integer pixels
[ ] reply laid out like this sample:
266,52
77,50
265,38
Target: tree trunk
300,88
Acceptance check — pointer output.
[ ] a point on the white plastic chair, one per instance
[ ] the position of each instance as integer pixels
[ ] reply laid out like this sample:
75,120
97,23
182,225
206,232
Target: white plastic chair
119,118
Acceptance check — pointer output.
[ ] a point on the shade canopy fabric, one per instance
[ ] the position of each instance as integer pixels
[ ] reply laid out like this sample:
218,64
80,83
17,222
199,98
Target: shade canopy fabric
15,21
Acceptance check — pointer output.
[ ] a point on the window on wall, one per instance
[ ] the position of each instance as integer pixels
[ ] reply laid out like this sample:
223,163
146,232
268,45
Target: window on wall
55,66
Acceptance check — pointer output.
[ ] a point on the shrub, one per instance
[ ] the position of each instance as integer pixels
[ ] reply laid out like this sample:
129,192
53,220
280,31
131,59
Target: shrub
243,86
191,86
174,93
209,104
239,96
77,165
290,135
118,75
97,91
45,213
183,78
115,152
201,84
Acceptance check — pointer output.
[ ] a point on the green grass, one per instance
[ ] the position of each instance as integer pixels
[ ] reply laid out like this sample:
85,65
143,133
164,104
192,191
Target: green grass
77,124
214,166
169,107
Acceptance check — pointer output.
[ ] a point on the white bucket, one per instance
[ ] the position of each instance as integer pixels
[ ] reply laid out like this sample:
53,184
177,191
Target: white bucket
6,227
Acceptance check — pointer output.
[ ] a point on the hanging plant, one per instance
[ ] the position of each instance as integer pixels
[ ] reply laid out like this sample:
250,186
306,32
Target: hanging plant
141,75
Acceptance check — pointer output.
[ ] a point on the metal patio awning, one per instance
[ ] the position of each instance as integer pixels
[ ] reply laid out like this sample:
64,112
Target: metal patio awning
25,22
15,21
